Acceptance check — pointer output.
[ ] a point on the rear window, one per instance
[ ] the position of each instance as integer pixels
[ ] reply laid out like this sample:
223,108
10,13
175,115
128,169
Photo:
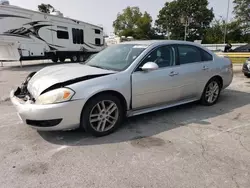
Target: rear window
206,56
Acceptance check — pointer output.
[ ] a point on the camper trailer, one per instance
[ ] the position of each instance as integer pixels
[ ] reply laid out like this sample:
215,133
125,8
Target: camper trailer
31,35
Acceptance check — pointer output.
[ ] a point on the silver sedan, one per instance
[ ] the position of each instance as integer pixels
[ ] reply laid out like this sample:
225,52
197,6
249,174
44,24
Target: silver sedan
124,80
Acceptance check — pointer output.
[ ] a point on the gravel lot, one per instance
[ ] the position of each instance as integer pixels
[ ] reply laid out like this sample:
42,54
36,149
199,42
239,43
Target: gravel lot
191,146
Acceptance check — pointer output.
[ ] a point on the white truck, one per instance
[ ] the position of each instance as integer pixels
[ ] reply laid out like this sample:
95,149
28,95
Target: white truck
31,35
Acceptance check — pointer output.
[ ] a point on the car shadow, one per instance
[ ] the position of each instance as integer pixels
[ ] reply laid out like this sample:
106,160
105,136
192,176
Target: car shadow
148,125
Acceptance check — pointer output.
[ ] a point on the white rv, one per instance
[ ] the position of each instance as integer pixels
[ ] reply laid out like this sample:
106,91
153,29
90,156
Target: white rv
31,35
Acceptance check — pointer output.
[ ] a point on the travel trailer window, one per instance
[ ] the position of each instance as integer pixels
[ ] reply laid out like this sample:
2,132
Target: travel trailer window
62,35
77,36
98,41
97,31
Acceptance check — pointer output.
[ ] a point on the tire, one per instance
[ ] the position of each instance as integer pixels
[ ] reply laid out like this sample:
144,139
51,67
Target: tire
99,118
205,99
54,59
62,59
81,58
74,59
247,75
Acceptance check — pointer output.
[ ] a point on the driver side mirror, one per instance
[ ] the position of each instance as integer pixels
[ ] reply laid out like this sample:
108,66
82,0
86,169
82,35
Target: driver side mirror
149,66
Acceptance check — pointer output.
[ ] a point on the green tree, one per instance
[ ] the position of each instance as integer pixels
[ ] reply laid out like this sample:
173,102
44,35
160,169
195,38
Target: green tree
194,13
46,8
242,13
131,22
235,33
214,34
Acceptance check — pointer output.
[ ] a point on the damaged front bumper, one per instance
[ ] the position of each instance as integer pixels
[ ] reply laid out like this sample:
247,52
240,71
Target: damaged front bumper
53,117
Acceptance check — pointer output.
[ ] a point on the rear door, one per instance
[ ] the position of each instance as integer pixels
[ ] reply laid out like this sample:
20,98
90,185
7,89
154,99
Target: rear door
190,71
209,69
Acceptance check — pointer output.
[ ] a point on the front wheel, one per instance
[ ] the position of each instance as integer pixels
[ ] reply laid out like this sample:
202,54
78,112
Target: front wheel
102,115
247,75
211,92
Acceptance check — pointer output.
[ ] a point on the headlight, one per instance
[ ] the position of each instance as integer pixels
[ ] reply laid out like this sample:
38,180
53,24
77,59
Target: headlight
56,96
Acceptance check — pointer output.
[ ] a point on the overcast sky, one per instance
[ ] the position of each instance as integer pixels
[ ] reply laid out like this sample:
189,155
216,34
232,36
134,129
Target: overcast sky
103,12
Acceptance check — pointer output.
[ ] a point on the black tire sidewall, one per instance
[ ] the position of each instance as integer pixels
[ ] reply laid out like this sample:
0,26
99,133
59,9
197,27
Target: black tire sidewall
54,59
62,59
203,98
81,58
247,75
72,58
85,124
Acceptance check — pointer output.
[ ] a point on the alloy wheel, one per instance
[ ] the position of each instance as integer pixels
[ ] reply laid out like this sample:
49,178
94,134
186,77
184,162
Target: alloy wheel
212,92
104,116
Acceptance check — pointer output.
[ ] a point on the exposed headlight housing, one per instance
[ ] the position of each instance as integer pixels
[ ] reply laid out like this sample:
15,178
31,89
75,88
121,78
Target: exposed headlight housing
55,96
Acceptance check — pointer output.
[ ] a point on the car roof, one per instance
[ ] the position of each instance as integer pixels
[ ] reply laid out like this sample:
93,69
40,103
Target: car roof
155,43
151,42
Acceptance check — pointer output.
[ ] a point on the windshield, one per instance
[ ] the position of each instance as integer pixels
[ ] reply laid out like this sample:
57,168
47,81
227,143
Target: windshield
116,57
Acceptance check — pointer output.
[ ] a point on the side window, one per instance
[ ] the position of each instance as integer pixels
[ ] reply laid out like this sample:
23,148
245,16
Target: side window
78,36
189,54
62,34
74,35
97,31
206,56
98,41
81,36
163,56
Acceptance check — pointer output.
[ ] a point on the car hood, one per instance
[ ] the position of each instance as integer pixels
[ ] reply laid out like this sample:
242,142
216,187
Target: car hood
62,75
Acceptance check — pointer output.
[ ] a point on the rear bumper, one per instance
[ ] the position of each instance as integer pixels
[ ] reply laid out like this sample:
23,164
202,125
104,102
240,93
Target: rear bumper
53,117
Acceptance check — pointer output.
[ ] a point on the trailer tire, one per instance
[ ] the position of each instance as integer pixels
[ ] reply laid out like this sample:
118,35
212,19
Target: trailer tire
74,58
62,59
54,59
81,58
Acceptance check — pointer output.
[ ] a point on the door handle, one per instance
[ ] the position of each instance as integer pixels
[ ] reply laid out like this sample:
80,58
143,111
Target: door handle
205,68
173,73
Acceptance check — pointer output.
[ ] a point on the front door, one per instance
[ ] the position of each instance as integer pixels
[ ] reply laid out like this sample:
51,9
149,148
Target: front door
158,86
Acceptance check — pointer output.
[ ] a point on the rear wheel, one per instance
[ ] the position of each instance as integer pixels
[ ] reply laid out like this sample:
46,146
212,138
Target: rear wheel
62,59
102,115
81,58
54,59
74,58
211,92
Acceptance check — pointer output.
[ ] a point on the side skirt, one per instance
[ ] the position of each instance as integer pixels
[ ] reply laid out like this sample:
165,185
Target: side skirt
156,108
